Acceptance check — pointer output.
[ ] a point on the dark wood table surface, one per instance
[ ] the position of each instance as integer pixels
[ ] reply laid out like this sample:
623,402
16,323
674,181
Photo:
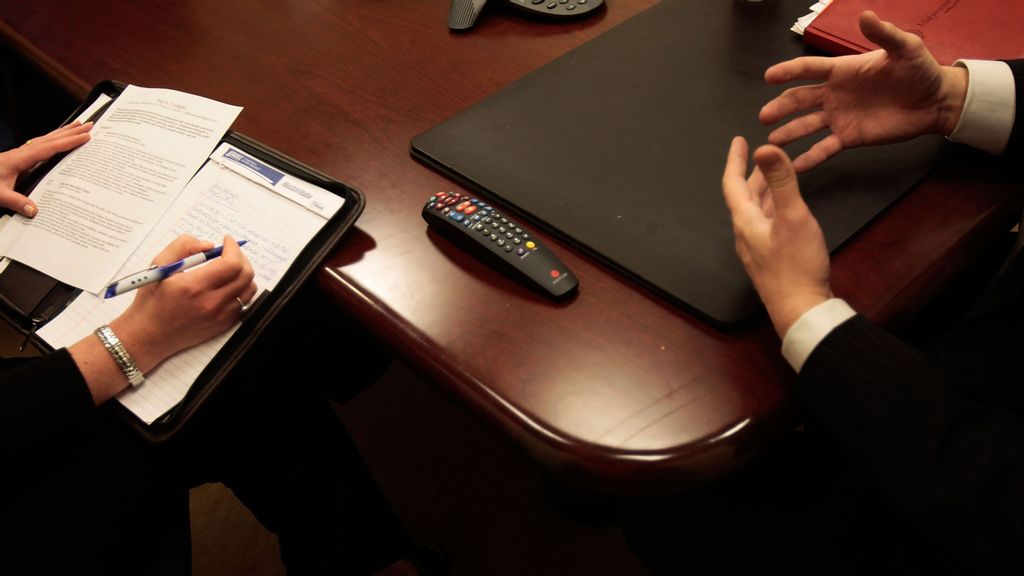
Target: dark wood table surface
617,388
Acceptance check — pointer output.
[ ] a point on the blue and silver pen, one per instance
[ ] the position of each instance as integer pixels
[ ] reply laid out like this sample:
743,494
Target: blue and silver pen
157,273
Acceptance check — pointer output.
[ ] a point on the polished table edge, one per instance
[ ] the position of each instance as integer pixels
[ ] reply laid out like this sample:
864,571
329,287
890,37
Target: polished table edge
693,463
970,182
64,78
585,464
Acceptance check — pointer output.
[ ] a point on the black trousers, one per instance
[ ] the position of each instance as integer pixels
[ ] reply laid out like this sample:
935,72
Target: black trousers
109,502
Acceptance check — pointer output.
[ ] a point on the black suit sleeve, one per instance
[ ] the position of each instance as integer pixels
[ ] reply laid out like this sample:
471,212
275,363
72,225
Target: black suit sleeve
953,467
44,401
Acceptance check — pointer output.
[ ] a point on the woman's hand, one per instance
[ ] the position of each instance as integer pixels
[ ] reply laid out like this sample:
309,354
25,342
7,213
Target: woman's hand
189,307
183,310
18,160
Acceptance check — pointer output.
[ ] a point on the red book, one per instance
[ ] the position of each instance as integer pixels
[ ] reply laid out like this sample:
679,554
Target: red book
951,29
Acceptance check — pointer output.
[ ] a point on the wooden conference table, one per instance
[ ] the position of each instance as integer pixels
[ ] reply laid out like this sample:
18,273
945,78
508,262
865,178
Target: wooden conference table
617,388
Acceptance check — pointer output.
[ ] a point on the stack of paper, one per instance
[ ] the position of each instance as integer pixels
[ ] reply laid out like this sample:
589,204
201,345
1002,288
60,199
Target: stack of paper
803,22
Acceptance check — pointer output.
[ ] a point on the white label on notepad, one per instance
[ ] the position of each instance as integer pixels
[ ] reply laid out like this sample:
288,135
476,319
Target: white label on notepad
312,197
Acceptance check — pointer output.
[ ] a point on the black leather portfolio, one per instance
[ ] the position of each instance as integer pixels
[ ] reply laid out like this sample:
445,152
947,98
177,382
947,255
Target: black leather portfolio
619,145
29,299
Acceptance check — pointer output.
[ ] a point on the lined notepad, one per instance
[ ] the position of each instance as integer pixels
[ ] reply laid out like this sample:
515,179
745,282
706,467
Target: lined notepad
226,197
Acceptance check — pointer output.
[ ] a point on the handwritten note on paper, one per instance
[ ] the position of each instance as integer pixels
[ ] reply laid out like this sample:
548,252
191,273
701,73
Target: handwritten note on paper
217,202
101,200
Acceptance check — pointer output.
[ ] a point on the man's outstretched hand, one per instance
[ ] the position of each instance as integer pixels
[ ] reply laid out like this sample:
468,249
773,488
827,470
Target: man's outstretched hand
777,238
880,97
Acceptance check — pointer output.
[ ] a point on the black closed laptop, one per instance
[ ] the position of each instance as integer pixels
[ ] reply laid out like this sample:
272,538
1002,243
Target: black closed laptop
618,146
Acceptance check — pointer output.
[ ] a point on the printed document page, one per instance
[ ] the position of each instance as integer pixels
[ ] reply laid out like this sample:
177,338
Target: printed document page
234,194
101,200
85,115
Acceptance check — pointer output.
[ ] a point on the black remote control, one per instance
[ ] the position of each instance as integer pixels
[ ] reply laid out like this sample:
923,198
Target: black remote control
480,228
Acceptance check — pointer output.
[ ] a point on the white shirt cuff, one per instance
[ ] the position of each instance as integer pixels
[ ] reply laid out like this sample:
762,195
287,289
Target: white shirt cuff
810,329
988,114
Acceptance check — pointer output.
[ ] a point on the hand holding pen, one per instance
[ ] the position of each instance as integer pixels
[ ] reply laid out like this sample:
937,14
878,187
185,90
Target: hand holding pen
183,310
157,273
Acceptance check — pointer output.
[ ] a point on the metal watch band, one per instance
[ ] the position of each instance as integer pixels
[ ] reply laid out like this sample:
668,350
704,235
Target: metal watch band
120,355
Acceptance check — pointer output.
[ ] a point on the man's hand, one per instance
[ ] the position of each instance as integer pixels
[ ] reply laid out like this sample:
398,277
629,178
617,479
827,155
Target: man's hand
885,96
14,162
778,240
